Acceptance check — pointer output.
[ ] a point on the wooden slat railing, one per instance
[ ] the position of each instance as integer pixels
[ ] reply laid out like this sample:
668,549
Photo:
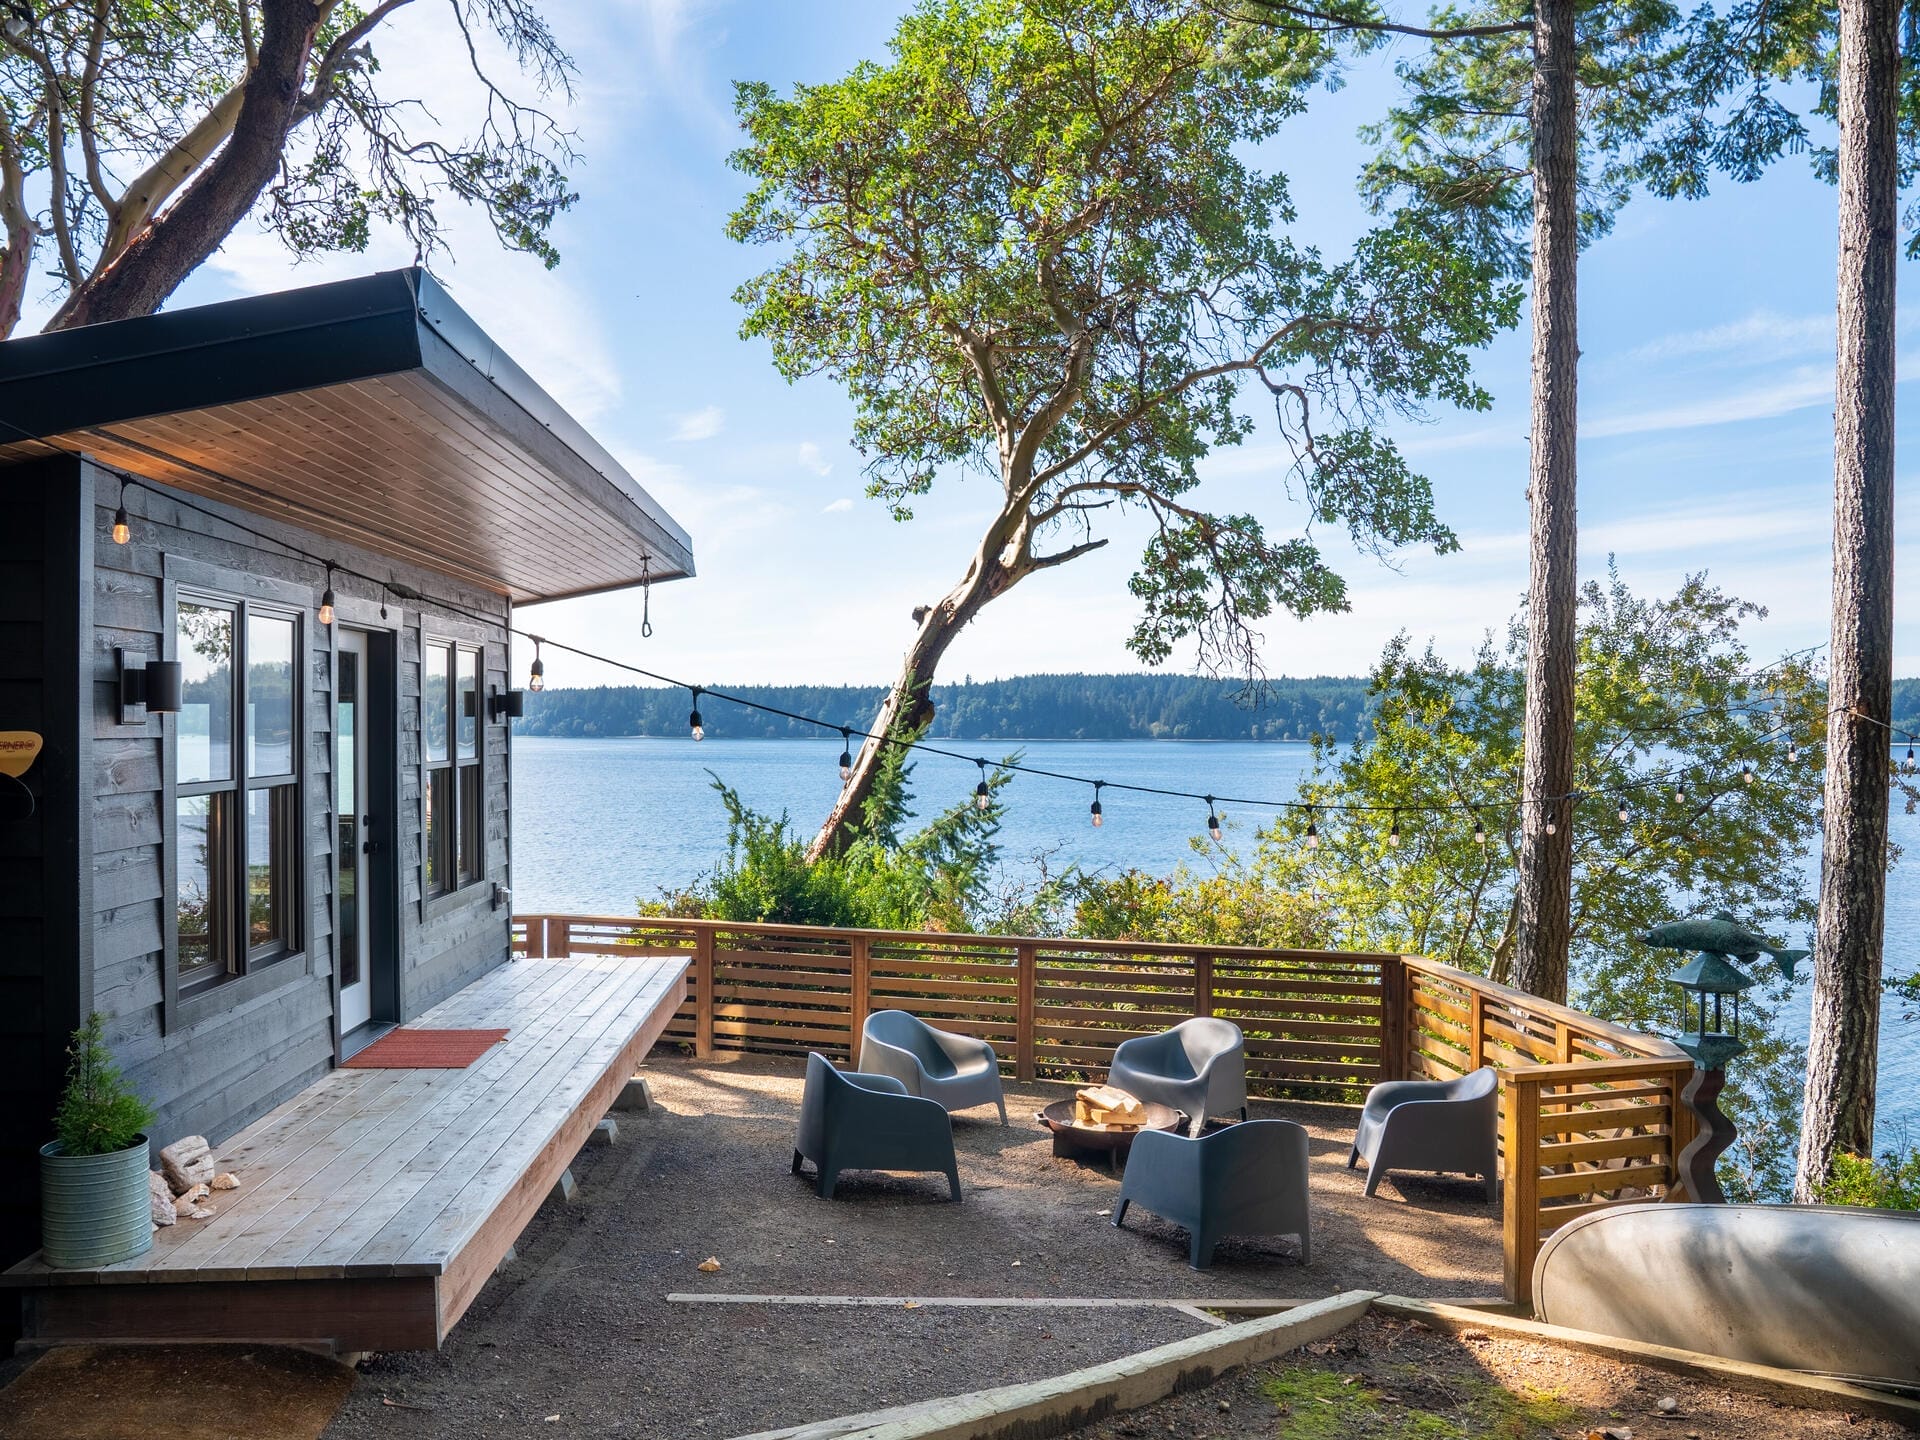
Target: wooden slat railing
1590,1113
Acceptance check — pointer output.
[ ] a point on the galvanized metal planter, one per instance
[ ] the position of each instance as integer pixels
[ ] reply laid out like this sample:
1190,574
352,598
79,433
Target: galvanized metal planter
94,1209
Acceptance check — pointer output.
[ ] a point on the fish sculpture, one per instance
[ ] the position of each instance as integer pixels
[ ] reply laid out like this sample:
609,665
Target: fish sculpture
1724,935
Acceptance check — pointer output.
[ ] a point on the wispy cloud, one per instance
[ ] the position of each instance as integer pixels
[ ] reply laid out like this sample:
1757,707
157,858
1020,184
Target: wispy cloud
1801,388
702,424
834,507
1761,335
811,457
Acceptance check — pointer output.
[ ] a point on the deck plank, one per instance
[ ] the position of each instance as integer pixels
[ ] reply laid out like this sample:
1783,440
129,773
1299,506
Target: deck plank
476,1167
399,1178
375,1187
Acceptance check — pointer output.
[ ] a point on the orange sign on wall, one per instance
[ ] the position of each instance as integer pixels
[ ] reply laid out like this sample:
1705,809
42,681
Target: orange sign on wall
18,750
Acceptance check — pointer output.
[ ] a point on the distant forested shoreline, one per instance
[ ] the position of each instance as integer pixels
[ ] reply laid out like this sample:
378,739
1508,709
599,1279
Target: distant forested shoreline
1028,707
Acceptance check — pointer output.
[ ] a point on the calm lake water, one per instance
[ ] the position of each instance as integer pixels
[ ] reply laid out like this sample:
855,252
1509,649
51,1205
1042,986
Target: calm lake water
598,824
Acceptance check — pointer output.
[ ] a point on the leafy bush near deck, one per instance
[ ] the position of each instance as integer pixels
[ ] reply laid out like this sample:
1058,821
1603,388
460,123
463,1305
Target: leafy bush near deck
1891,1182
938,877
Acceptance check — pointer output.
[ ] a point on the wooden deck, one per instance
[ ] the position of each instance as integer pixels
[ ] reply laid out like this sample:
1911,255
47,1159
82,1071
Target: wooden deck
374,1204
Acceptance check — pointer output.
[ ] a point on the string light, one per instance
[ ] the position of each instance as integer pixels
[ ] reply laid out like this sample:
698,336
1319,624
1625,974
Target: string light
537,681
1393,834
122,531
693,716
1553,826
326,599
1098,785
1313,832
982,796
846,754
1746,773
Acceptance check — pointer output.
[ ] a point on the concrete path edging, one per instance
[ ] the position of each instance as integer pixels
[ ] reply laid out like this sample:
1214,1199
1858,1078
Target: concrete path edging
1790,1387
1054,1406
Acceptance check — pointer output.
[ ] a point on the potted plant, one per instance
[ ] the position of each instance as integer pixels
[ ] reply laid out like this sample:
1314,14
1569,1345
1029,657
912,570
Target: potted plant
94,1206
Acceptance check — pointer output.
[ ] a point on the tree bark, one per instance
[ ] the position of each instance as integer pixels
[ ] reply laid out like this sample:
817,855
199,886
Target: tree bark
1843,1048
1546,860
909,704
140,279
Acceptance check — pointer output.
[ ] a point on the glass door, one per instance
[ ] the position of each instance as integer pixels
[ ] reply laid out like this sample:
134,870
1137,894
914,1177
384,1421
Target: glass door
351,796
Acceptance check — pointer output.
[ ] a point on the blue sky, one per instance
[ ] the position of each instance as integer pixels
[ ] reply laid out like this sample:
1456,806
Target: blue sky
1705,389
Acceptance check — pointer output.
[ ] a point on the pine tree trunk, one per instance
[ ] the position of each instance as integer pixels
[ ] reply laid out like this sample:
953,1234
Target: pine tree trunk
1842,1053
1546,861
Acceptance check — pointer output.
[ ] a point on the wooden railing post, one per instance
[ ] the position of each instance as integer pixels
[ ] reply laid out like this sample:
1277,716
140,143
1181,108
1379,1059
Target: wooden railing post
1476,1030
536,937
559,936
1203,985
703,994
1396,1019
860,988
1682,1126
1520,1230
1026,986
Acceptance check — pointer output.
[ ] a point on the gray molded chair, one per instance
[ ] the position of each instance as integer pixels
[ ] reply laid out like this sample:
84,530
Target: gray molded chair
1430,1125
1248,1179
1199,1066
869,1122
956,1071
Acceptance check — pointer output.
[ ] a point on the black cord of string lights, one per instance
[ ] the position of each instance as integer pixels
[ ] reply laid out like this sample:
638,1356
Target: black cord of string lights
1675,776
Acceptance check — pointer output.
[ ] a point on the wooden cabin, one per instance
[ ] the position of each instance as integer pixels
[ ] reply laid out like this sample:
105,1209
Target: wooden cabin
317,844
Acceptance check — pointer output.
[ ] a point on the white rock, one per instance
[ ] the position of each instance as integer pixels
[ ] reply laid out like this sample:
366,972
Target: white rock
187,1162
160,1197
226,1180
191,1196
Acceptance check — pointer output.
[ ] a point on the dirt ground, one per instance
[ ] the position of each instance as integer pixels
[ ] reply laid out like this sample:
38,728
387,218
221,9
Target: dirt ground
1385,1379
577,1338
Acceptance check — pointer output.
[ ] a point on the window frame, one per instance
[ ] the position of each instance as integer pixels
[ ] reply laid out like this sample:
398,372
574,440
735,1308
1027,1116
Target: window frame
468,826
251,969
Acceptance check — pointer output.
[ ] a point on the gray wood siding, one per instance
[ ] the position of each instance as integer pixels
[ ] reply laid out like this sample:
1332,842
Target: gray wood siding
219,1066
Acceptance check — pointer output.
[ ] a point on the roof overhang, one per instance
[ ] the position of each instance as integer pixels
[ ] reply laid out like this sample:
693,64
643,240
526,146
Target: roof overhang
373,411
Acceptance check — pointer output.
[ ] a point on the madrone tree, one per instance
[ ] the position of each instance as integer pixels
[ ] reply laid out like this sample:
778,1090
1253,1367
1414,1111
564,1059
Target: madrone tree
1029,245
135,137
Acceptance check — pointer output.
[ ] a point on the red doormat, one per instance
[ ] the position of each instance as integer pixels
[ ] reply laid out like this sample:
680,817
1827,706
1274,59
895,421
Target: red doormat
425,1050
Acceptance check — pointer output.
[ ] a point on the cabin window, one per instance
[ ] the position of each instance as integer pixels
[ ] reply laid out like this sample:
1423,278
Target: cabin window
455,849
236,788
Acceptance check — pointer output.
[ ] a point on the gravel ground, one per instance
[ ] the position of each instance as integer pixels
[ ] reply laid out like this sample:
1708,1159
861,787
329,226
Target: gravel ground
1383,1379
579,1328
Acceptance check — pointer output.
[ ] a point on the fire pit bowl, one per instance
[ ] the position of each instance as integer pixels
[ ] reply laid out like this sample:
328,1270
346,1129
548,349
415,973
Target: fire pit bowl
1075,1141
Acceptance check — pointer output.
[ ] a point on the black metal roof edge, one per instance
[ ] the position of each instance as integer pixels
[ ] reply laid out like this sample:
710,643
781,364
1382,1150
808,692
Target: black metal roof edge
237,350
440,313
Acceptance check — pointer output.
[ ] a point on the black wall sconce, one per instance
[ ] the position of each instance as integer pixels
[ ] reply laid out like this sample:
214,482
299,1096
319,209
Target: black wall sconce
148,687
505,704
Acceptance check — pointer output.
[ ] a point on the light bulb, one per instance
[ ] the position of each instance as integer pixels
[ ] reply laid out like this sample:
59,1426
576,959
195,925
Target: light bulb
1393,835
1313,836
326,607
1095,811
1793,753
537,672
1552,828
846,756
1680,792
122,532
1746,773
1479,833
982,797
1623,812
1213,825
693,719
